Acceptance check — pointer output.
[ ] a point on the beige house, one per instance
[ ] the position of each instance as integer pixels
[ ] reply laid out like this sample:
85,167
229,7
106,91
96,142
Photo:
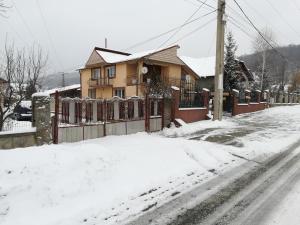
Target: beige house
109,73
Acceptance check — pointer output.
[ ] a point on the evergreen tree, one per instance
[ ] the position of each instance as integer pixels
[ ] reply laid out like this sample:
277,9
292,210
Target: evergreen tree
231,65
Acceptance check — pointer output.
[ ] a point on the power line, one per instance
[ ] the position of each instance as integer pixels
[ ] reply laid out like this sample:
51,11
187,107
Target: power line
23,20
277,11
49,35
258,31
186,21
266,19
167,32
194,31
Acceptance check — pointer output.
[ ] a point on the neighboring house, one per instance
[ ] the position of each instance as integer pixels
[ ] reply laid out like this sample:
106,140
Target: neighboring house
71,91
204,69
109,73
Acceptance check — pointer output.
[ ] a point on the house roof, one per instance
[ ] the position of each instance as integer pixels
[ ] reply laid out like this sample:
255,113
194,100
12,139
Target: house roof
61,89
205,67
112,56
202,67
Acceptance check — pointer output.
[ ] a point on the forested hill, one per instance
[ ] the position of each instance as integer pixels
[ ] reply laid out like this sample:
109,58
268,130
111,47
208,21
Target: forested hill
291,52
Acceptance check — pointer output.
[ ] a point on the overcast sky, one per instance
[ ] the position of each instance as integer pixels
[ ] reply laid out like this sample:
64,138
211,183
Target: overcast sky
69,29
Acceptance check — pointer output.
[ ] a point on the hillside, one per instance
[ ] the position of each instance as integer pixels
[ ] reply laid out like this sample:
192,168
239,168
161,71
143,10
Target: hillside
55,80
275,62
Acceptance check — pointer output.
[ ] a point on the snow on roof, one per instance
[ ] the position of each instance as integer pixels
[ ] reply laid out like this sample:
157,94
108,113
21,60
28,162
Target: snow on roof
203,67
60,89
114,57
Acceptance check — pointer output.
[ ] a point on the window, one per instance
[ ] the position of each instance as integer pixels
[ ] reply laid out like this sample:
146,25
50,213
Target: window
92,93
120,92
96,74
111,71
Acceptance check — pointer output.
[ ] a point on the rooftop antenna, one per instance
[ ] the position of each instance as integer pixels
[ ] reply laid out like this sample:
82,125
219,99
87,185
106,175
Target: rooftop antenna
105,42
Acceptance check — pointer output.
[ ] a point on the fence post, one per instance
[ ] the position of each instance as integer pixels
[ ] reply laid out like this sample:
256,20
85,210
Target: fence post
258,95
163,112
95,110
206,98
71,111
136,109
56,119
235,93
147,117
104,111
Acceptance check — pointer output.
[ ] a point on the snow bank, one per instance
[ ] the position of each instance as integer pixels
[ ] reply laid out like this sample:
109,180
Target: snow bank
101,181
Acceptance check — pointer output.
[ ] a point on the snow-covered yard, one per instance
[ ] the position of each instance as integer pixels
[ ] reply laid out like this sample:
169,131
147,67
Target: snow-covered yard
112,179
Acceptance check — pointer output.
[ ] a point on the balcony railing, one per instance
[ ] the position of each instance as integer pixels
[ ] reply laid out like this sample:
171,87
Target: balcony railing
101,82
132,80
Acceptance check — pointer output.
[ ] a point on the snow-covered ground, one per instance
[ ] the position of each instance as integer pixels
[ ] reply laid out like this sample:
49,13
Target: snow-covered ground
112,179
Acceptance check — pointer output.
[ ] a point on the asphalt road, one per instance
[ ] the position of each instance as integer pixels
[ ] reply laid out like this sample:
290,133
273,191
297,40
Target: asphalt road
243,196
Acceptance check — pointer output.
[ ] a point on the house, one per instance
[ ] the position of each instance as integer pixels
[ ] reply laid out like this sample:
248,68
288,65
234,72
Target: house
204,69
109,73
71,91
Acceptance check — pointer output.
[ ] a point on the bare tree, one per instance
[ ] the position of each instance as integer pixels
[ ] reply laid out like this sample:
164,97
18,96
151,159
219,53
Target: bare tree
261,47
36,64
12,88
3,8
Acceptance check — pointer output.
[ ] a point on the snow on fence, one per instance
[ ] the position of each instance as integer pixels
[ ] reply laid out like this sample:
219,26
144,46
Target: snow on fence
80,119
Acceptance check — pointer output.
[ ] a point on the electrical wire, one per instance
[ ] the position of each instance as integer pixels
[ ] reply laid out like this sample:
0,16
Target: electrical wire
167,32
49,35
259,32
185,22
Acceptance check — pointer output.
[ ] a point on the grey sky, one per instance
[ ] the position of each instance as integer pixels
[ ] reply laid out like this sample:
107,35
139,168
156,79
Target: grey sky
75,27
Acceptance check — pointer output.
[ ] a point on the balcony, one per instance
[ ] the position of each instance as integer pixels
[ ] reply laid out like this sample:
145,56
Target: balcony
101,82
132,80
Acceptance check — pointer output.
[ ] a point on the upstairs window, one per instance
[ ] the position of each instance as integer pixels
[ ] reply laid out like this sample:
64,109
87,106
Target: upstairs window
111,71
96,74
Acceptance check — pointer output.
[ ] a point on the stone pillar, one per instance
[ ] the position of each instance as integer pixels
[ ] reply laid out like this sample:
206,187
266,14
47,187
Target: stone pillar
136,109
258,94
71,112
41,115
206,98
247,96
281,98
155,103
235,94
116,110
95,108
286,98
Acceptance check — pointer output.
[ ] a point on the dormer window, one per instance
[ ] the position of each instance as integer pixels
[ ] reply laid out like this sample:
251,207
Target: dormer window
96,74
111,71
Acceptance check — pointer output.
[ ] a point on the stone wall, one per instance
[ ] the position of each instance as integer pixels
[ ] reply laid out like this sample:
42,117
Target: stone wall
17,140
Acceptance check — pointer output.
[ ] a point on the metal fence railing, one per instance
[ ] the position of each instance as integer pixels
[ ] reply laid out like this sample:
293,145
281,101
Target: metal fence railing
85,111
191,95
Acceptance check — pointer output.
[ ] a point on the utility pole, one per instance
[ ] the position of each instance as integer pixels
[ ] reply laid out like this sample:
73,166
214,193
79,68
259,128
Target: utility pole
105,43
219,72
63,83
263,70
